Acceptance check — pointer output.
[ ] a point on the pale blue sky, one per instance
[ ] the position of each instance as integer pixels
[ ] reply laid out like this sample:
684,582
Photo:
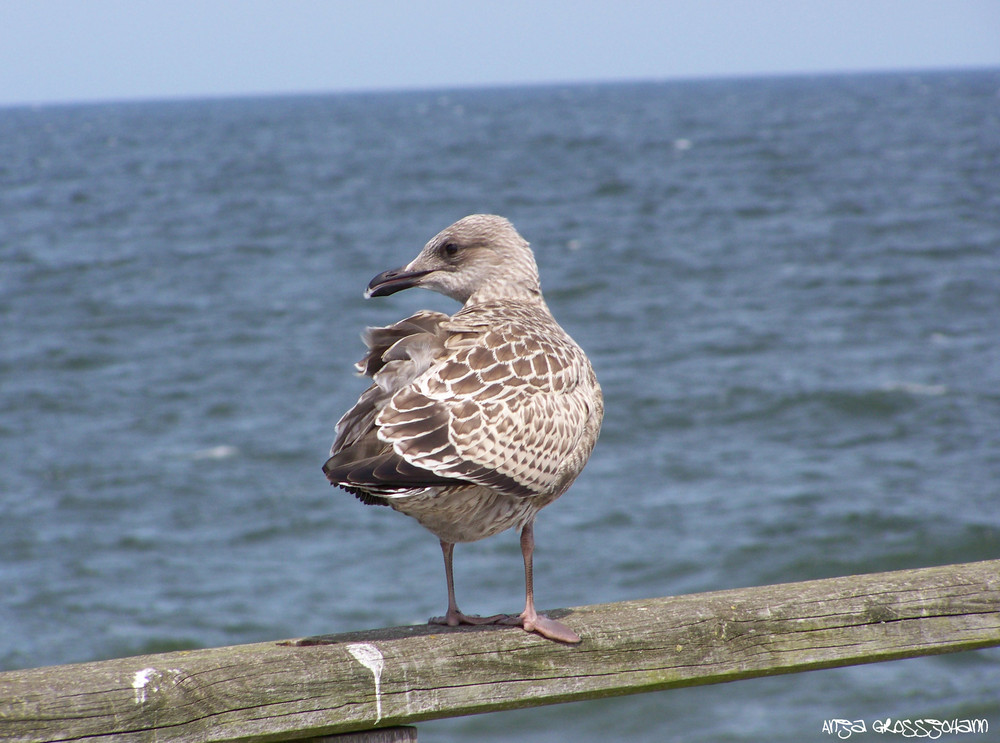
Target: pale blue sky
75,50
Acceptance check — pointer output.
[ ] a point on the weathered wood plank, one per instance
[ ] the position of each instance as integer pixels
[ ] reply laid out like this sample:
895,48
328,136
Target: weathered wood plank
401,675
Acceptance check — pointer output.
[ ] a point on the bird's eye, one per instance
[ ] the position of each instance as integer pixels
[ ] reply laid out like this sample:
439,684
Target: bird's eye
450,248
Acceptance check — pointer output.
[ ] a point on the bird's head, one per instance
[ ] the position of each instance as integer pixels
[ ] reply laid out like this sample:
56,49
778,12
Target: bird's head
480,257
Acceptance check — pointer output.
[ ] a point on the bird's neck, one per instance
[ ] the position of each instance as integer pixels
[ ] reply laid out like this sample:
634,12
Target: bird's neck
506,291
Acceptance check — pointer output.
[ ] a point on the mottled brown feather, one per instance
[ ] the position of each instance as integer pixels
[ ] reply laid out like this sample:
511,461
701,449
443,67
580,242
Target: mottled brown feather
474,421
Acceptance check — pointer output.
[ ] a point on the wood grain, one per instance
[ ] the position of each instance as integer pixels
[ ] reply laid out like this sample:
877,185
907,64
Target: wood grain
326,685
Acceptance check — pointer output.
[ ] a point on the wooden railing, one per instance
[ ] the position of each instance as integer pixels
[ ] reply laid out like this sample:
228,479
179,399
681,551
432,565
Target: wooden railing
378,680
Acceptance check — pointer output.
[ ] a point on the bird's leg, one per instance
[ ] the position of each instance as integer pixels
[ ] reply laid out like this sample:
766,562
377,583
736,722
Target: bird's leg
454,617
530,619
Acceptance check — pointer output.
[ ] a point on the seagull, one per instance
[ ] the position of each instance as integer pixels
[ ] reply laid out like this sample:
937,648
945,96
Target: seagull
476,421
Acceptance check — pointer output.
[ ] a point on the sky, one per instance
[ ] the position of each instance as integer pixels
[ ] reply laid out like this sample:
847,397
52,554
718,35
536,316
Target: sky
57,51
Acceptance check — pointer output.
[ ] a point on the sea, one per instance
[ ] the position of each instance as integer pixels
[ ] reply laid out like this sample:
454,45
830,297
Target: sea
789,288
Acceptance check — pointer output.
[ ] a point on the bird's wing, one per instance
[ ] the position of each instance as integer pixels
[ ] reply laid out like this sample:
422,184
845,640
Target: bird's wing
504,405
496,396
360,461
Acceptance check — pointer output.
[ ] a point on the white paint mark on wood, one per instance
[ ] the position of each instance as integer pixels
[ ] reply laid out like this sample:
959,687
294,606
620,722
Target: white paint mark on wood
141,680
371,658
147,681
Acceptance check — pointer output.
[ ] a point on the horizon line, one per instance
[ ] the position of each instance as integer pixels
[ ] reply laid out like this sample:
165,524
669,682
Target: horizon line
489,86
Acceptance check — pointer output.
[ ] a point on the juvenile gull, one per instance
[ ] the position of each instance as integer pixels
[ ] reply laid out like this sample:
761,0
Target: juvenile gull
477,421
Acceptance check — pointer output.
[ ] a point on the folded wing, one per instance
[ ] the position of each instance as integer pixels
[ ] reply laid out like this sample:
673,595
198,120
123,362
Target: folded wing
496,396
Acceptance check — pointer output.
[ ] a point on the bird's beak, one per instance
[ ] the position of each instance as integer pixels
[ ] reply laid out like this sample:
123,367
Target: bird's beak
395,280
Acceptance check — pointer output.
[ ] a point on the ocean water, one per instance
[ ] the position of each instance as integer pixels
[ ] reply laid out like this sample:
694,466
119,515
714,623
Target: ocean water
789,288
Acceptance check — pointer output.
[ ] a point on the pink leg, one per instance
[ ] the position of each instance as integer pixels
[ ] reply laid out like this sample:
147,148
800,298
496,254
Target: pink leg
531,620
454,617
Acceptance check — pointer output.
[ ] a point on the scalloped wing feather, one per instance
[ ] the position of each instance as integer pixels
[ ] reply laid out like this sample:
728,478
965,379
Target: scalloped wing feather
497,396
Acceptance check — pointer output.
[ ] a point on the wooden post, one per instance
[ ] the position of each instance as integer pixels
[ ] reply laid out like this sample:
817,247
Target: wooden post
401,675
407,734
